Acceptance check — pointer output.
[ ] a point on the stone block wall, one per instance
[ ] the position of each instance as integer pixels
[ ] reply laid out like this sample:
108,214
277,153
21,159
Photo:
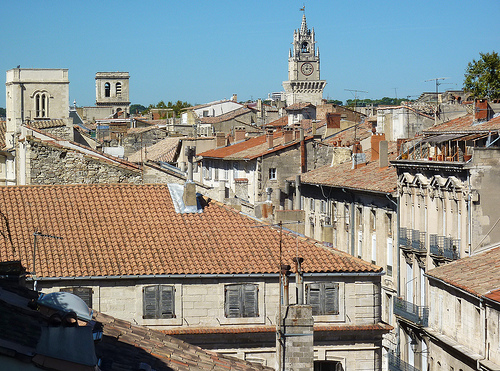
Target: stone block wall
56,165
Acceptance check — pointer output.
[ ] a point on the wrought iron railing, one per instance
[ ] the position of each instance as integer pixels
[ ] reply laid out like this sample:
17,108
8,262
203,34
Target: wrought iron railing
403,236
444,247
397,364
418,241
419,315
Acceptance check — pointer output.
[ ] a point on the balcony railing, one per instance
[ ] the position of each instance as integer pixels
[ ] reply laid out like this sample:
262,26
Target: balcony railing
416,314
444,247
403,236
418,241
397,364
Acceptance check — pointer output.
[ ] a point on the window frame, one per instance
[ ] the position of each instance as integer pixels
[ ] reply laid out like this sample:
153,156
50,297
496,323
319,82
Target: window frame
159,291
318,294
273,173
81,292
241,300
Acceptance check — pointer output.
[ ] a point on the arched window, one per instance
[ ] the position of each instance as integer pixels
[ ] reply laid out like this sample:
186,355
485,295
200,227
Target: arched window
41,105
304,48
107,89
118,89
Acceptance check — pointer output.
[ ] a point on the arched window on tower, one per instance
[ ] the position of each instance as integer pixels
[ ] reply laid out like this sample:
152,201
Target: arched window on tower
41,105
107,89
304,48
118,89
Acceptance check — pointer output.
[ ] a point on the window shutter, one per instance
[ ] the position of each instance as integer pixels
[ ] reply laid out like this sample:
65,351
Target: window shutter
150,302
331,298
233,301
313,297
84,293
167,301
250,297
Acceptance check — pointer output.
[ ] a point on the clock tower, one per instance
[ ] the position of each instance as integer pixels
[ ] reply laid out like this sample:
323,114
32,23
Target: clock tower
304,84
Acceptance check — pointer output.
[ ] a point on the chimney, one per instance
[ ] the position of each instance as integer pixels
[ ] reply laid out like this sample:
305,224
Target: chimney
333,121
269,138
358,157
220,140
239,133
482,110
384,153
234,98
288,134
190,152
189,196
375,140
296,128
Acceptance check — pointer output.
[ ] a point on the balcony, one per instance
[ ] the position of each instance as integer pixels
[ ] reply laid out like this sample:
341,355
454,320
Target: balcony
417,315
405,236
418,241
396,364
442,247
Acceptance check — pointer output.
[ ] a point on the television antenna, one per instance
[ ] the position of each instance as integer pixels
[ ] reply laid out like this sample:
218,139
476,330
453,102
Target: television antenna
437,94
355,106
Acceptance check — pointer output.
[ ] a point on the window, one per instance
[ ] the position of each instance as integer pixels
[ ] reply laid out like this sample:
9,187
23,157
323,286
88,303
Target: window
241,300
272,173
388,220
158,301
107,89
322,206
118,89
323,298
373,220
41,105
84,293
312,205
389,256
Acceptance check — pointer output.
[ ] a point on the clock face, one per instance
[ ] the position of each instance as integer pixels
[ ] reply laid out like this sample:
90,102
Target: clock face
307,69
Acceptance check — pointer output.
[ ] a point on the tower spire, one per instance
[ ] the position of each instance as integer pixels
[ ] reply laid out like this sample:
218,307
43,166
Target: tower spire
303,26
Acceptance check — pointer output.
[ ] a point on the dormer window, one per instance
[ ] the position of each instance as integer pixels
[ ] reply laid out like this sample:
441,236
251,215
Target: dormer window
107,90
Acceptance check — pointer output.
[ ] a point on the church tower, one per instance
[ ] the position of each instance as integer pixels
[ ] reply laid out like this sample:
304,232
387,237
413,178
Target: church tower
304,84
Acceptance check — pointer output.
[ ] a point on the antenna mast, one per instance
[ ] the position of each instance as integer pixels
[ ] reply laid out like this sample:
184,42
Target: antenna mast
355,106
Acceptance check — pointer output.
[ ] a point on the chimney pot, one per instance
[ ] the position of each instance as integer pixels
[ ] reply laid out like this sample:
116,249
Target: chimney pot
269,137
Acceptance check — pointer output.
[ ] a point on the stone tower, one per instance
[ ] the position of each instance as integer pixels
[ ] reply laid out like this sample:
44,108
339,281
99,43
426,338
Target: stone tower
112,90
304,84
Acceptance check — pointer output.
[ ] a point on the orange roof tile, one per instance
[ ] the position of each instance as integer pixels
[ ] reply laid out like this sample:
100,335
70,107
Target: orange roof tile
465,124
164,151
370,177
119,230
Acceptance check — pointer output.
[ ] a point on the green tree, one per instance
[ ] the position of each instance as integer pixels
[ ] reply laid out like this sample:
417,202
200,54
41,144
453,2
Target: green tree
3,112
137,108
482,77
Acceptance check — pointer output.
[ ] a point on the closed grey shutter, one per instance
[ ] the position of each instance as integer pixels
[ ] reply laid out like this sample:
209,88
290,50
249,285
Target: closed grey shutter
331,298
167,301
150,302
251,303
314,297
233,301
84,293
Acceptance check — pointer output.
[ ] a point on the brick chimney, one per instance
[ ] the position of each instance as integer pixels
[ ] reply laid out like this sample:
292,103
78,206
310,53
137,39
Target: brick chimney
239,134
220,140
482,112
269,138
375,140
333,120
288,134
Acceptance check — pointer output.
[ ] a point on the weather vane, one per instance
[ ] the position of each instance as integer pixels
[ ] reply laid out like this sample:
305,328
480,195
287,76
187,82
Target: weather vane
303,9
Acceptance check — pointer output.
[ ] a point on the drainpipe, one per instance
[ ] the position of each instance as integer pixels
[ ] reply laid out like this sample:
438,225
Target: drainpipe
302,152
299,280
298,195
351,221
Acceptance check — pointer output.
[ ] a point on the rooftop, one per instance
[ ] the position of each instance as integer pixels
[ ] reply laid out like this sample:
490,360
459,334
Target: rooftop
163,151
126,230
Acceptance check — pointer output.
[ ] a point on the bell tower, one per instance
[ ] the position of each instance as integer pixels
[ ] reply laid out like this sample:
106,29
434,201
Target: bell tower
304,83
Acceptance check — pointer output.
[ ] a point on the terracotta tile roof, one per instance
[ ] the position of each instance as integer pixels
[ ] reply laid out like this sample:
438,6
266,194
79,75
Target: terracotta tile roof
369,177
164,151
282,121
116,230
362,131
46,124
465,124
152,122
477,274
263,329
226,116
298,106
251,148
494,295
124,346
141,130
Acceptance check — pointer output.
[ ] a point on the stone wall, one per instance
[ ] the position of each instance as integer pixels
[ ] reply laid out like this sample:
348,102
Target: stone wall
56,165
134,141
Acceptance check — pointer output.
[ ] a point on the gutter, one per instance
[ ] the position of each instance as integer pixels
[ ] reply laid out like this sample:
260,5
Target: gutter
177,276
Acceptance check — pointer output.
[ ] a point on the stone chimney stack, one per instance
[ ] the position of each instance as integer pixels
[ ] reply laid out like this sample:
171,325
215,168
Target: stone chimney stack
220,140
384,153
358,157
235,98
269,138
375,140
239,134
288,133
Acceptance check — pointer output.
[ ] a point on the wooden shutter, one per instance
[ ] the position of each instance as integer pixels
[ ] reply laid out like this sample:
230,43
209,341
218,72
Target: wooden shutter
250,300
233,301
150,302
331,301
314,297
167,300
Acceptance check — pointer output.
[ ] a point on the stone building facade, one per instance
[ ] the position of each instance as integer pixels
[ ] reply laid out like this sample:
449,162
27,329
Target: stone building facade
112,90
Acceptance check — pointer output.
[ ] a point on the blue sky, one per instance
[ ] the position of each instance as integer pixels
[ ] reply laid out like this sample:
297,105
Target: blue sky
201,51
